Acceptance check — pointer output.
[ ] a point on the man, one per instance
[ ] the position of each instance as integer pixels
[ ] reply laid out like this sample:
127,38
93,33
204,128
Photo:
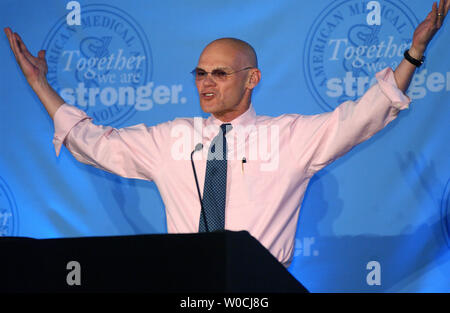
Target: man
262,193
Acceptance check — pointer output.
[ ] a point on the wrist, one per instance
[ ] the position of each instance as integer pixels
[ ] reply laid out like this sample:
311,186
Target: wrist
416,52
40,86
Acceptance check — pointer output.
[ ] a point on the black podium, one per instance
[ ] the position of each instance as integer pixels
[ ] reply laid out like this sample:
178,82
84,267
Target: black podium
164,263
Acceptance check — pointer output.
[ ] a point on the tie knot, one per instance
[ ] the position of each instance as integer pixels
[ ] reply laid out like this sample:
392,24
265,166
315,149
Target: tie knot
226,128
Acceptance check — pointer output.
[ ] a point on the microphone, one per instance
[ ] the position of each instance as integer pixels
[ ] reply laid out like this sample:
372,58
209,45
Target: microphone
199,147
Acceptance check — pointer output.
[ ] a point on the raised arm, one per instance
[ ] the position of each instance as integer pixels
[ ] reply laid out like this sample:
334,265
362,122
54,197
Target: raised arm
35,71
421,37
319,139
132,152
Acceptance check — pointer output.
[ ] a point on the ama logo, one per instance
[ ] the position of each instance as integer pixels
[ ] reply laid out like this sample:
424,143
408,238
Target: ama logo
342,52
102,66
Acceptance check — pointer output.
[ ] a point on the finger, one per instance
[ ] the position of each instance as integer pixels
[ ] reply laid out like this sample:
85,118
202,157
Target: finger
434,14
446,8
24,50
440,13
428,18
41,54
21,59
21,44
10,39
7,31
441,6
15,46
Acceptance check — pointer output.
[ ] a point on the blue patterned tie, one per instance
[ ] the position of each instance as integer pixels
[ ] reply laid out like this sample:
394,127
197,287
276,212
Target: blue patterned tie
214,191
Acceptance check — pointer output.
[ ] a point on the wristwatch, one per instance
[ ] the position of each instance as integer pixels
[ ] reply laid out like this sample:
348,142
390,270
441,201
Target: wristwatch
413,61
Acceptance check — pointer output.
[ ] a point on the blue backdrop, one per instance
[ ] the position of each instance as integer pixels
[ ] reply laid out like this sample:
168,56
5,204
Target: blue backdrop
388,200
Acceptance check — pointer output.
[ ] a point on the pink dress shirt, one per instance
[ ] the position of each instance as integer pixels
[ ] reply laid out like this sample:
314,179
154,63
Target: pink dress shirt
265,193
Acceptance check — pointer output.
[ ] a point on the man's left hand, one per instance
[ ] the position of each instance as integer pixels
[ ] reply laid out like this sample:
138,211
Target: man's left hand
428,28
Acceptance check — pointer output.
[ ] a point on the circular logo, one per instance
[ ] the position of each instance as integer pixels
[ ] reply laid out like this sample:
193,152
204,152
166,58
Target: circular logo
8,211
445,213
102,65
342,52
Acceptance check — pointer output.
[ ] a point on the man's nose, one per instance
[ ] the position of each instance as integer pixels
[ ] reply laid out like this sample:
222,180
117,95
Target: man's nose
209,80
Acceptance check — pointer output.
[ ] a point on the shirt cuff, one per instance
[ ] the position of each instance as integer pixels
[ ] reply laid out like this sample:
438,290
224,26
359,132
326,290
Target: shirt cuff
65,118
388,86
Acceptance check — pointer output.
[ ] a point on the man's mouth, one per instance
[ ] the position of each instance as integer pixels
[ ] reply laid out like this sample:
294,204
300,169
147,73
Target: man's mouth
208,95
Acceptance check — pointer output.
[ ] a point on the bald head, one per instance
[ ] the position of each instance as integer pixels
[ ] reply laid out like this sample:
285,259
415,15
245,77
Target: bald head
239,49
227,96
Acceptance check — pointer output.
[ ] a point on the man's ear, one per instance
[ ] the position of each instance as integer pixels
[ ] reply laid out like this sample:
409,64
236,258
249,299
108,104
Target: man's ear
254,78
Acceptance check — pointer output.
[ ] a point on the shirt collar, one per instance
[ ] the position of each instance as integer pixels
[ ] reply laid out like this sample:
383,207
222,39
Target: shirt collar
245,119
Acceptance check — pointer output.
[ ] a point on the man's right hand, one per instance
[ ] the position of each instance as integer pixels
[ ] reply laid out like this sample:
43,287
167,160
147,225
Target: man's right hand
35,71
34,68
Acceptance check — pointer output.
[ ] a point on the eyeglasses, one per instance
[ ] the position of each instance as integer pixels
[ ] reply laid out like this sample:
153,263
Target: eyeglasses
217,74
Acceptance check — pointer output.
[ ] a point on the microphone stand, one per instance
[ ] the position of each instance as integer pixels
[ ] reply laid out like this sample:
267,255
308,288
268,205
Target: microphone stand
198,147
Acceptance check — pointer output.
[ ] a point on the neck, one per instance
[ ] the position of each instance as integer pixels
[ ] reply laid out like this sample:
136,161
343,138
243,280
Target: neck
228,116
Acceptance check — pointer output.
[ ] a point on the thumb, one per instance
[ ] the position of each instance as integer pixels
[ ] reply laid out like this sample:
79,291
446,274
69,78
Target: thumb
41,54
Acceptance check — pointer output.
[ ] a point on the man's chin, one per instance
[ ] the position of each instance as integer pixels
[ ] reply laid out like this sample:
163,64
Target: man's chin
207,107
